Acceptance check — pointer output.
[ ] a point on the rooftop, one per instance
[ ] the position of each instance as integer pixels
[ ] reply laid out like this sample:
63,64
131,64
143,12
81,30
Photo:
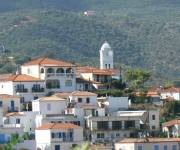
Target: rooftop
7,96
149,140
90,107
23,78
76,93
171,123
58,126
49,62
53,98
13,114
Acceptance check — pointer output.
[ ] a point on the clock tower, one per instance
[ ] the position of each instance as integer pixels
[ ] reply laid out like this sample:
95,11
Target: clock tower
106,56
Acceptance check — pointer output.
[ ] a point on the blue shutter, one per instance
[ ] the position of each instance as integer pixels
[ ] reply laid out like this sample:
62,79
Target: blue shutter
59,134
2,138
18,88
0,103
52,134
139,147
165,147
156,147
174,147
71,134
38,87
79,123
64,135
22,87
35,97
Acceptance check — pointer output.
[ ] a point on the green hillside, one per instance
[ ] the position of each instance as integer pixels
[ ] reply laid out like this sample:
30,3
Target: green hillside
145,34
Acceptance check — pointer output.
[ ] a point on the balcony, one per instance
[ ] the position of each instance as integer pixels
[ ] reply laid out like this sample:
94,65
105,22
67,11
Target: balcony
60,75
50,74
13,109
12,126
53,87
35,90
21,91
68,140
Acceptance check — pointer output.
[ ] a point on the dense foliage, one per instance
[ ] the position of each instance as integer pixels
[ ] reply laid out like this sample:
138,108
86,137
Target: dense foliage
145,34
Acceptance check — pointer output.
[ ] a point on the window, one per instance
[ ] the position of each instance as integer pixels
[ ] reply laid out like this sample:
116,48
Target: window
88,100
174,147
117,134
102,125
153,117
123,147
165,147
48,106
17,121
22,100
139,147
79,100
1,103
156,147
28,71
56,135
153,127
1,86
68,83
100,135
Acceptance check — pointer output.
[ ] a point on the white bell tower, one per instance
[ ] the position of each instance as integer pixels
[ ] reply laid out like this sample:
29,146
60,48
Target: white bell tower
106,56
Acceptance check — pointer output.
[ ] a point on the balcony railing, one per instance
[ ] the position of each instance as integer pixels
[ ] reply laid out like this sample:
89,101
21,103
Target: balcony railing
13,109
53,87
12,126
50,74
60,74
37,90
68,140
22,90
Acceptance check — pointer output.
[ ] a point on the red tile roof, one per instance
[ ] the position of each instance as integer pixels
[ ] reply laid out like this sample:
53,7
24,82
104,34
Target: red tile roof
90,107
149,94
7,96
148,140
49,62
23,78
172,89
4,76
58,126
13,114
171,123
83,93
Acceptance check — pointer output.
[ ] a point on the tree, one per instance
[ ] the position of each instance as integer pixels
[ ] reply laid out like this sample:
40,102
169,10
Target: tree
137,78
176,83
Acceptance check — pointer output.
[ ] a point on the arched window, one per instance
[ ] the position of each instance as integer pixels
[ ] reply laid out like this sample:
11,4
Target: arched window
109,66
60,70
50,70
69,70
42,70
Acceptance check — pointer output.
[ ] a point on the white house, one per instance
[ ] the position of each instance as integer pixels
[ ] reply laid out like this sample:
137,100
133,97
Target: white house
148,144
125,124
58,136
172,92
24,86
14,130
58,76
49,105
113,104
10,103
89,13
172,127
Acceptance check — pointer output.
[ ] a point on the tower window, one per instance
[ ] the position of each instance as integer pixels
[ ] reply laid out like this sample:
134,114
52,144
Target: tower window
106,66
109,66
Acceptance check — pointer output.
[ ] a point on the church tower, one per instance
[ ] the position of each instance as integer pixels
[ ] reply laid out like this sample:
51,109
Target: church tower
106,56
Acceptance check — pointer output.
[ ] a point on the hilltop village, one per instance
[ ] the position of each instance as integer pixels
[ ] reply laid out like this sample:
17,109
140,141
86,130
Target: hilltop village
55,105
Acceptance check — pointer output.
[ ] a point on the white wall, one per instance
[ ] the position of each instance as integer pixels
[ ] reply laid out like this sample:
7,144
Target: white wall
118,102
7,88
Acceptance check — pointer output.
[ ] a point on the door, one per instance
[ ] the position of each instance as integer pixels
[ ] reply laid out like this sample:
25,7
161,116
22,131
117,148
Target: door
2,138
86,87
12,105
48,85
71,136
57,147
98,78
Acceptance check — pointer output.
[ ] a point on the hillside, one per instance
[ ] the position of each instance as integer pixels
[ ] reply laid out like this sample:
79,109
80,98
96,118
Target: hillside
145,34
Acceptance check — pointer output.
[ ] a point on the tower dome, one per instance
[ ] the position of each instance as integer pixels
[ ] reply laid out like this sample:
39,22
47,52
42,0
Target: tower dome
106,46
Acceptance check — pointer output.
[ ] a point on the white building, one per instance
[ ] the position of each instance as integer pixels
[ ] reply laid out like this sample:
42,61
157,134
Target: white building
24,86
89,13
12,131
10,103
109,129
172,127
58,76
172,92
58,136
148,144
49,105
113,104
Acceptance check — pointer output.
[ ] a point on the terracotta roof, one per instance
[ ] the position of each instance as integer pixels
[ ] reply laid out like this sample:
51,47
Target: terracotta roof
62,94
149,94
4,76
90,107
7,96
49,62
83,93
171,123
149,140
172,89
23,78
13,114
52,98
58,126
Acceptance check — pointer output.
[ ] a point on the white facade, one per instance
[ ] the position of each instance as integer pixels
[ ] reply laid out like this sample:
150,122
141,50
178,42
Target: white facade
106,56
59,138
9,103
49,105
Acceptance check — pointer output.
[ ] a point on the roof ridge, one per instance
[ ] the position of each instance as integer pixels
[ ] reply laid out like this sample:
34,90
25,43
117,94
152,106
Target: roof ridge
15,77
41,60
52,126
